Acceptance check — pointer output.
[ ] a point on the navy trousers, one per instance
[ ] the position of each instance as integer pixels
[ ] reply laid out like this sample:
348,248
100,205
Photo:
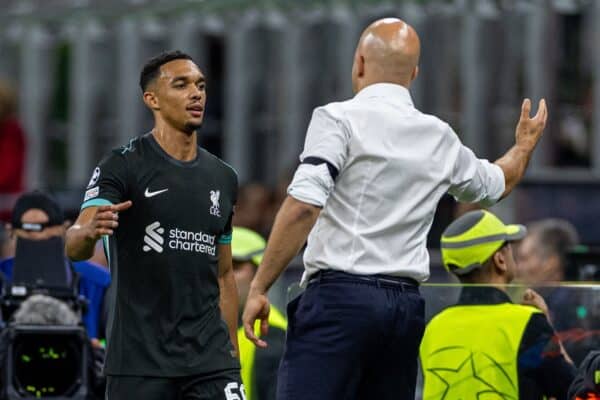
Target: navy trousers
352,337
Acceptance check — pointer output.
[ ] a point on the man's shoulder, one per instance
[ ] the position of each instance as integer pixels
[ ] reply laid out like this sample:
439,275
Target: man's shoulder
215,162
123,153
336,109
91,272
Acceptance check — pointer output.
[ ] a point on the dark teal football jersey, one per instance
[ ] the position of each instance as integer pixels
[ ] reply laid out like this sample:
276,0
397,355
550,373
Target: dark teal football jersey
164,318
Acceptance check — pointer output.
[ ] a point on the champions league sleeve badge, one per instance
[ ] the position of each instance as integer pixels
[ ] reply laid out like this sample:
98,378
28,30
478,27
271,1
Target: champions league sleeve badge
95,177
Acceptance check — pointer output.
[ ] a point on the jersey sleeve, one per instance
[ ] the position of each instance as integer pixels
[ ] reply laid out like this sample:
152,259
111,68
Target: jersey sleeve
108,184
225,237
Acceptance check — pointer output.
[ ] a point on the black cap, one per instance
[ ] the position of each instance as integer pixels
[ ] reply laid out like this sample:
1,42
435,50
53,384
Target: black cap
41,201
587,380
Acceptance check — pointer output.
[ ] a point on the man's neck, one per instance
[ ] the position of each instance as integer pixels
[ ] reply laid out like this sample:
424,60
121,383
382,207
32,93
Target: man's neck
180,145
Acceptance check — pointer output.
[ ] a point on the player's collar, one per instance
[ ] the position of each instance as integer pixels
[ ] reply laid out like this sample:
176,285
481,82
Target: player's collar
387,90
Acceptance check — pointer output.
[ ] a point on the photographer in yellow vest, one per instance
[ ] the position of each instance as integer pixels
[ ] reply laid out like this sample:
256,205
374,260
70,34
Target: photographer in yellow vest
259,366
486,347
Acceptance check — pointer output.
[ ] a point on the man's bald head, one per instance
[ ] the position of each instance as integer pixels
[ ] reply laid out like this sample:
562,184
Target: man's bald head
388,51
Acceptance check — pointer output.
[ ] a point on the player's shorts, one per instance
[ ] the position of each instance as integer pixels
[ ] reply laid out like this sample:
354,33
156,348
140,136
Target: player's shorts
223,385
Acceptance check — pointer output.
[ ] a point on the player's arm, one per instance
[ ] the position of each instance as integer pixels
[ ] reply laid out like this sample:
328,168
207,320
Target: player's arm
292,225
92,223
228,301
528,133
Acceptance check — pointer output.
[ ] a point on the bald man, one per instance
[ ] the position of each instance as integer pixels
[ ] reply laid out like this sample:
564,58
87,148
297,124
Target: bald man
372,172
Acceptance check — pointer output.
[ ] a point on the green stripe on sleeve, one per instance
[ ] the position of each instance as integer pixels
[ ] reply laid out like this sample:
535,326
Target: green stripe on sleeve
96,203
106,248
224,239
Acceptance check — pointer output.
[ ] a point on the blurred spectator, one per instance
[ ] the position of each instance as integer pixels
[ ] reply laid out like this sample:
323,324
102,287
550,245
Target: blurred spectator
259,366
542,259
254,201
518,356
7,243
12,150
586,385
37,216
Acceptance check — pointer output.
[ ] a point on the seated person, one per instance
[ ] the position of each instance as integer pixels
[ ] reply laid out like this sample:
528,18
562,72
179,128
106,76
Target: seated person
36,216
485,346
542,261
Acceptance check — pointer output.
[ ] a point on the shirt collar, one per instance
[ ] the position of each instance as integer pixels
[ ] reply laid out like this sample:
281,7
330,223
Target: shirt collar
391,91
481,295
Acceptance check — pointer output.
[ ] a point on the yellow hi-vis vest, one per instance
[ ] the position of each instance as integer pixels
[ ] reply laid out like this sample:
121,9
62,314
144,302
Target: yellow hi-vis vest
470,352
248,350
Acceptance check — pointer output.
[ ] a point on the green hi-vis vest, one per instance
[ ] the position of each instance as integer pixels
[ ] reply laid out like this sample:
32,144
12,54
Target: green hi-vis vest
248,350
470,352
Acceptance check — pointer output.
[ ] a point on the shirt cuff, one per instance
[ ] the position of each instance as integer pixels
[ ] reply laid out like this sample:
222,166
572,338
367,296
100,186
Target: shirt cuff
312,184
495,183
224,239
95,203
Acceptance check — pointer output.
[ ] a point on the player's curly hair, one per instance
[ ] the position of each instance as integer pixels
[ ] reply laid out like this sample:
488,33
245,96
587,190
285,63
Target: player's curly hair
151,69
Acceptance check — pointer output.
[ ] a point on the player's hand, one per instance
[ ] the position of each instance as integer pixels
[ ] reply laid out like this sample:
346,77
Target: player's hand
529,130
532,298
257,307
106,219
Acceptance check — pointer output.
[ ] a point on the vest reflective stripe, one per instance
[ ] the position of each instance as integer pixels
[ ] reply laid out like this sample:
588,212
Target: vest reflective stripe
470,352
248,350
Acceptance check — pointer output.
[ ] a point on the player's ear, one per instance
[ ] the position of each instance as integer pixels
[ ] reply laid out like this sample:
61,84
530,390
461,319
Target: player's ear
415,73
360,65
500,261
151,100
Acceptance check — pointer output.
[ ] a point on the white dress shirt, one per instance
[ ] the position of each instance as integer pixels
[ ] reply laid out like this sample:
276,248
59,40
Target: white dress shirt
394,165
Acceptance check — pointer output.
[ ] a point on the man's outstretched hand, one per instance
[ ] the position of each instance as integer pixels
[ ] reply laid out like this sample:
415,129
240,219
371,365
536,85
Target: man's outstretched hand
529,130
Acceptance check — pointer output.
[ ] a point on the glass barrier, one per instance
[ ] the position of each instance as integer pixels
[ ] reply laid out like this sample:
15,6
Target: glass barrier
573,309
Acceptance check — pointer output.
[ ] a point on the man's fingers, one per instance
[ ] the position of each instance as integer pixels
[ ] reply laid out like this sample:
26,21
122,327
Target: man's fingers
525,109
545,115
249,331
107,215
107,224
264,326
104,231
102,209
541,110
121,206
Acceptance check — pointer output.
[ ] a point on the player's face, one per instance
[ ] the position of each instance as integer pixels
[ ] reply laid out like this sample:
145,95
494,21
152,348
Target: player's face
181,94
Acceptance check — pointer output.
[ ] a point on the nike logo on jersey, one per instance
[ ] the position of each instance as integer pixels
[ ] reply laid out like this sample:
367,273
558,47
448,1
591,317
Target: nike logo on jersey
148,193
